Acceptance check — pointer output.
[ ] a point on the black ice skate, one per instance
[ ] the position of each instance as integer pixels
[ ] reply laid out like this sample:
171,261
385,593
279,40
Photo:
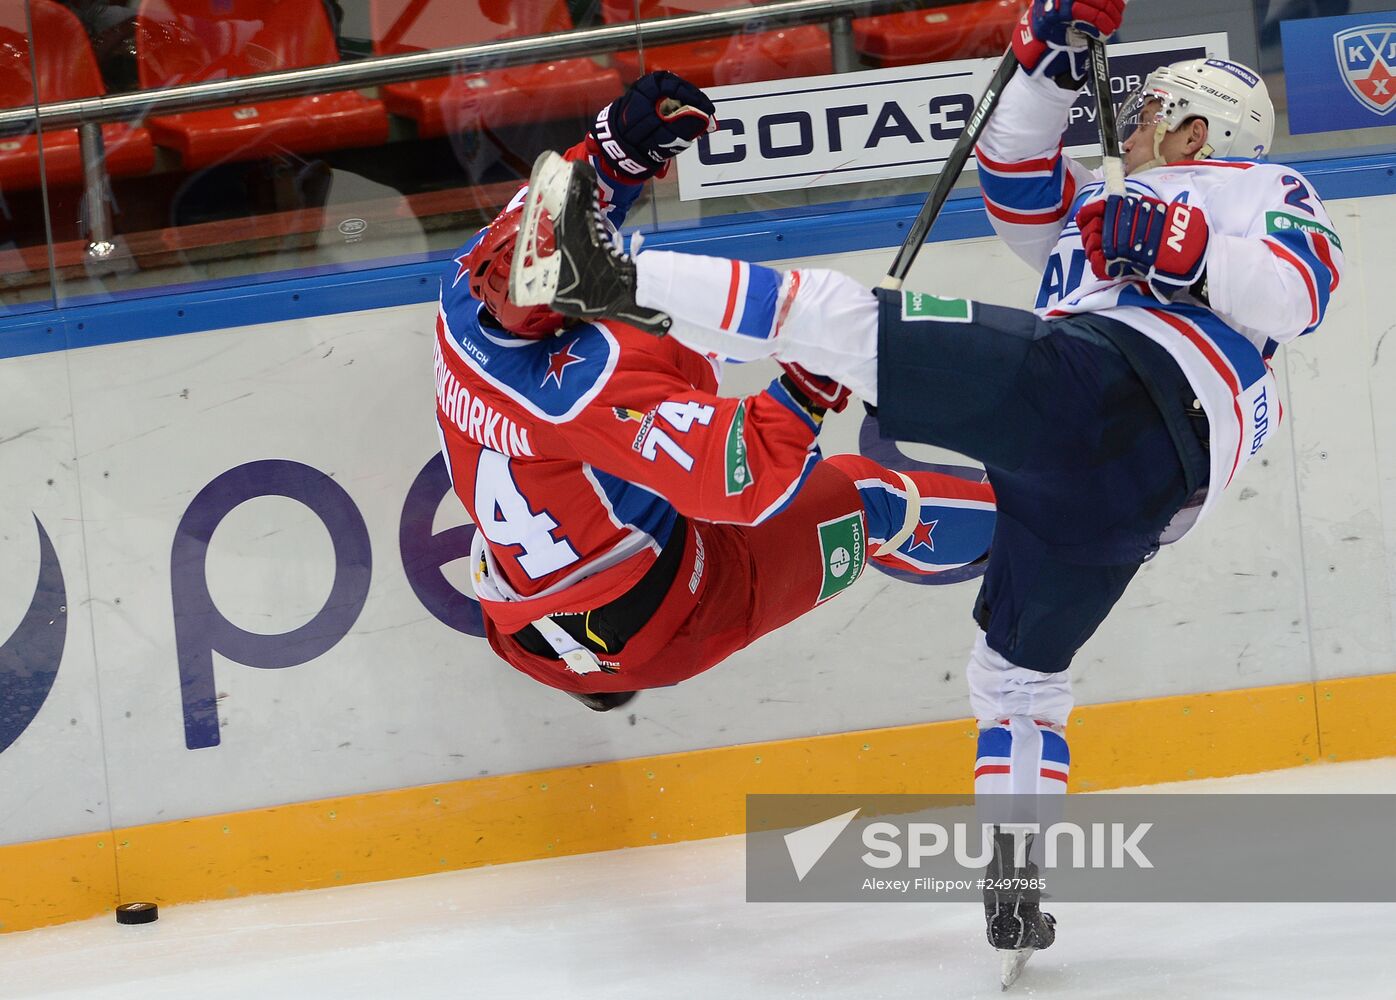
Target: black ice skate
584,275
1015,923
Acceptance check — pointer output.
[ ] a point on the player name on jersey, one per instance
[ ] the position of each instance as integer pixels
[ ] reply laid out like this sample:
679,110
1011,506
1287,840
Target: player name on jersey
476,418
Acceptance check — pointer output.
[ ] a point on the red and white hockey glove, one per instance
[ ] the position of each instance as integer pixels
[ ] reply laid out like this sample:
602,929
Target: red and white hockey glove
1133,235
657,118
821,393
1045,46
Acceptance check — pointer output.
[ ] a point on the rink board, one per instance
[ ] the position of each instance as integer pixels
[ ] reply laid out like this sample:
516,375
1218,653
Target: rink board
123,719
666,799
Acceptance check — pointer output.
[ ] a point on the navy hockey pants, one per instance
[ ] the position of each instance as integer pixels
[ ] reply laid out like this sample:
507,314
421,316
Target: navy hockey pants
1089,435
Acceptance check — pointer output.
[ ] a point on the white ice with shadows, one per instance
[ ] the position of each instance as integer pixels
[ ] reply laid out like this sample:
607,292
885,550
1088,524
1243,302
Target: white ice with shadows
670,923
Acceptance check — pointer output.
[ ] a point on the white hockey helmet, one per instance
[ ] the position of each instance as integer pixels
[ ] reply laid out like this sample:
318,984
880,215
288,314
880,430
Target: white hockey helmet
1232,98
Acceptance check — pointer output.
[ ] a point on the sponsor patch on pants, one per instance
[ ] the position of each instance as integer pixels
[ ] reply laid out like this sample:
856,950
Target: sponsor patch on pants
844,548
919,305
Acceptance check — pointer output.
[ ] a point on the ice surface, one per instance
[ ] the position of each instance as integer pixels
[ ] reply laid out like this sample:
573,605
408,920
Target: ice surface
670,923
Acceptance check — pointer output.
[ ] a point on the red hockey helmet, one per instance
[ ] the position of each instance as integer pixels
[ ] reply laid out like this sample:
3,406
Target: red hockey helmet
489,262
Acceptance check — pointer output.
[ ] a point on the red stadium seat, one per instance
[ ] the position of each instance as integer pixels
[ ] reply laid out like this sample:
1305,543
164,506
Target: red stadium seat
964,31
67,70
742,57
567,88
181,41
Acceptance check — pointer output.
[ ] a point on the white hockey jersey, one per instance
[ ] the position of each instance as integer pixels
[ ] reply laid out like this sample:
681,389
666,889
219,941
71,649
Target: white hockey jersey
1273,261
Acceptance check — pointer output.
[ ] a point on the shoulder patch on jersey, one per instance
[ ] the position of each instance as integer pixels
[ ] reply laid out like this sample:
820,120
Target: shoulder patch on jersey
553,379
738,470
1282,222
844,548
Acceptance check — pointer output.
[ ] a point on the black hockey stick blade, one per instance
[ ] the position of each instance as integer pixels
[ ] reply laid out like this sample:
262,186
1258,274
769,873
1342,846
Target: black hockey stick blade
950,173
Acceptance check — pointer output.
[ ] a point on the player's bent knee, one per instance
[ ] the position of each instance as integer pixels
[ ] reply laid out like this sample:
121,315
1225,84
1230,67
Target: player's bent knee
1000,690
828,324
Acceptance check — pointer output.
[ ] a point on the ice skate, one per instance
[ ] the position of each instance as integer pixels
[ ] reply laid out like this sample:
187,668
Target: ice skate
567,260
1015,923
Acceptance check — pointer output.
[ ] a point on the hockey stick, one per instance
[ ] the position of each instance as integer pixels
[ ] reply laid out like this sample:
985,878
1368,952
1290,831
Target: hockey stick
1111,164
949,174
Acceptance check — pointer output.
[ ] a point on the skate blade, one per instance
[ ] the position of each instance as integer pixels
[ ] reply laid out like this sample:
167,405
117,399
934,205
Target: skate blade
533,277
1011,964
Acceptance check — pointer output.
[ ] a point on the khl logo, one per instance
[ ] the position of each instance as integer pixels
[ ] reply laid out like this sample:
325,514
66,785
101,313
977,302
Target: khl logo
1366,57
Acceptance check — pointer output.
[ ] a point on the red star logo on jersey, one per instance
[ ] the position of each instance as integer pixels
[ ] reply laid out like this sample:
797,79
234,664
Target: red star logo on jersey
921,535
557,364
462,268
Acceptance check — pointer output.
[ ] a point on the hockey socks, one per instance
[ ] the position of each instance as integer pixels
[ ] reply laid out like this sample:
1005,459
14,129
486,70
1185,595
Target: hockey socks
921,522
1019,756
1020,777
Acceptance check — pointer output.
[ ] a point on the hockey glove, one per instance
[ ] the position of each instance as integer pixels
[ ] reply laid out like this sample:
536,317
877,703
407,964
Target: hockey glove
1127,236
1050,41
821,393
656,119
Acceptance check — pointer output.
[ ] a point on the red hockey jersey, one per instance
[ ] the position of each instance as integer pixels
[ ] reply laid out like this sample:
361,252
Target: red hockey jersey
574,454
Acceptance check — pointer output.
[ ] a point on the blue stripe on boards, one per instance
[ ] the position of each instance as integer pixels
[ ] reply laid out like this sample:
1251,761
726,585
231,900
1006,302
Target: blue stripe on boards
841,227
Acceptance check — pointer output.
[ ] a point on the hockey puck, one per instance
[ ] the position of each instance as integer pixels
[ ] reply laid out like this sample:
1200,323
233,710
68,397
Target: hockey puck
137,913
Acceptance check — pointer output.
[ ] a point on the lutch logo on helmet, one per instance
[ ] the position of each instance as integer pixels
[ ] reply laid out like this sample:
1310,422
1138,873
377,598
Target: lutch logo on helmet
1366,57
30,657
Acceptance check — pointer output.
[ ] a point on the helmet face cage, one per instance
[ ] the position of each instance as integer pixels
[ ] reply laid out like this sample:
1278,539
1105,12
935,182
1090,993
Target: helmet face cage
1136,111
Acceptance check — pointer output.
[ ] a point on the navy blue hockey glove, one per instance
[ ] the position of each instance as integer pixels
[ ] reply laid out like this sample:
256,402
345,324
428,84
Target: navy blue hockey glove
657,118
1045,44
1132,235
